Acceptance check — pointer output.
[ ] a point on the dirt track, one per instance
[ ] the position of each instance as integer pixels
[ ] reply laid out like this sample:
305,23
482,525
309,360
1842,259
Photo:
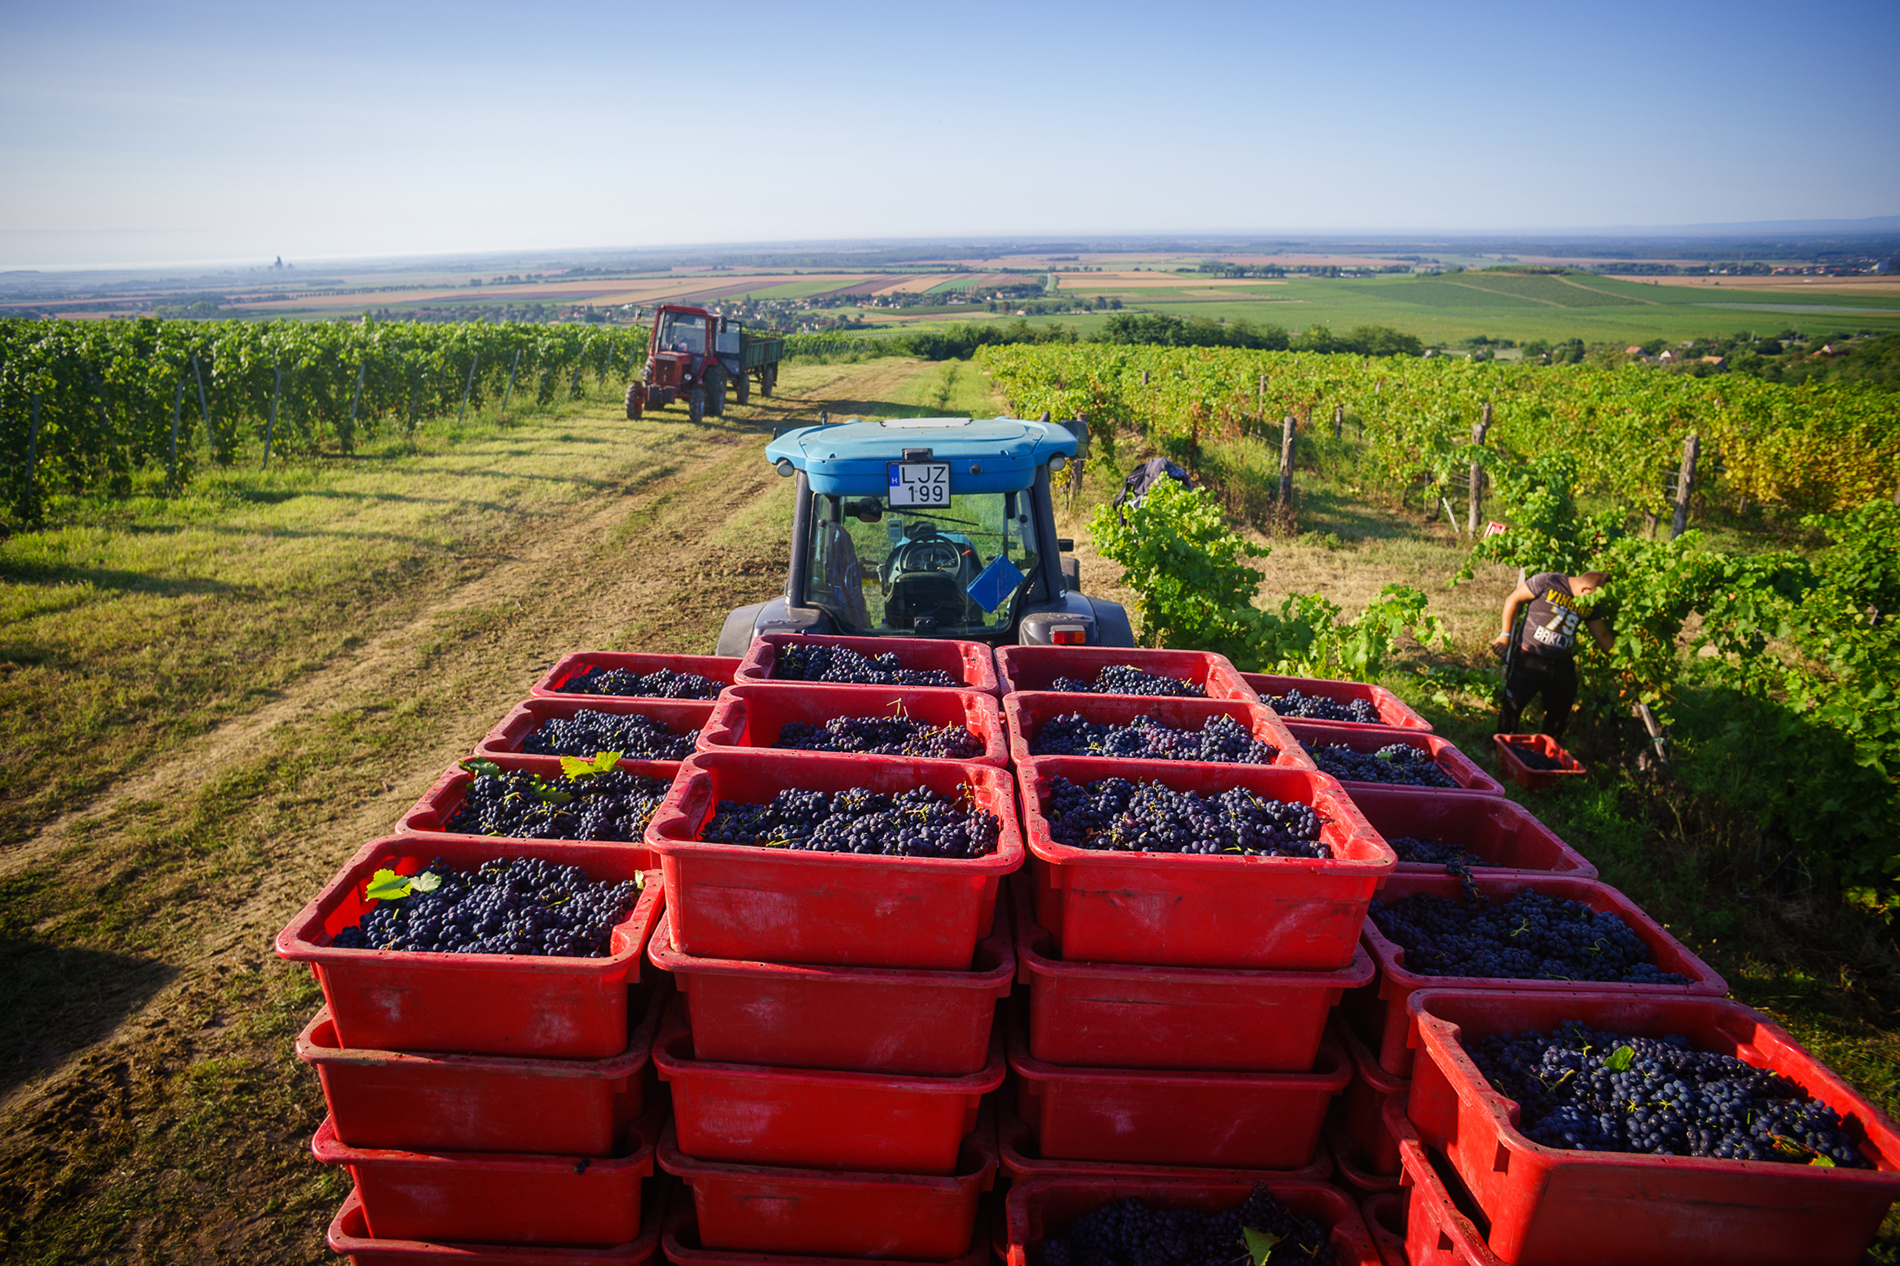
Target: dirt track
176,1129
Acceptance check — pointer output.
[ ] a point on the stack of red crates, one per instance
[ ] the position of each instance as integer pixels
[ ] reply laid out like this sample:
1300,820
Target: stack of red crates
1170,1041
834,1034
815,1049
495,1108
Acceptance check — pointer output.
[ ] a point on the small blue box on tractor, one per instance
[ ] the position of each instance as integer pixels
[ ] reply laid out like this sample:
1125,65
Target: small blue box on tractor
929,527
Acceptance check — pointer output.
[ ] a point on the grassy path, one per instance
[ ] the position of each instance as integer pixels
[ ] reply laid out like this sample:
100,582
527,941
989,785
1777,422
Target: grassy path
212,702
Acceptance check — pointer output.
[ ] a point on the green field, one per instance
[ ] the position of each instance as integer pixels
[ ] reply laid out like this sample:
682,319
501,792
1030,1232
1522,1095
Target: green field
1451,308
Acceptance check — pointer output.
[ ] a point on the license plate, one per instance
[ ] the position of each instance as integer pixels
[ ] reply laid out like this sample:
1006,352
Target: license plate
923,484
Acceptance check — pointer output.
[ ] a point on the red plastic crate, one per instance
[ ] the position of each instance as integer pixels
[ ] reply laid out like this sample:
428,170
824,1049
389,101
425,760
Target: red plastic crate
1224,1120
1350,1167
1126,1016
1437,1231
1044,1206
759,1208
680,1242
477,1004
681,716
719,668
1360,1111
1523,775
1021,1160
482,1103
1029,711
761,1115
858,1019
349,1235
1550,1207
1393,711
752,715
1384,1215
1367,738
1381,1017
1503,832
429,819
498,1197
970,664
827,909
1020,668
1165,909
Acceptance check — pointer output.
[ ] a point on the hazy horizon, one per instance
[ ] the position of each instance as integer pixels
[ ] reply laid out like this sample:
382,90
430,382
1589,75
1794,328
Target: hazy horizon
210,134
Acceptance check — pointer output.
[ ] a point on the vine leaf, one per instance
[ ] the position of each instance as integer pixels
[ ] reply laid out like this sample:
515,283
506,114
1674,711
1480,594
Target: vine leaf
579,767
1620,1058
387,885
1260,1244
481,768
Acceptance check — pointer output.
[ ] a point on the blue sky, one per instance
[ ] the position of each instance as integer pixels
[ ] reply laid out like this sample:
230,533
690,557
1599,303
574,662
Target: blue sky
168,132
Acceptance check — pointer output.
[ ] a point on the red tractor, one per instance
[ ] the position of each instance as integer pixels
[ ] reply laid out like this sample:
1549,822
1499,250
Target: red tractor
695,355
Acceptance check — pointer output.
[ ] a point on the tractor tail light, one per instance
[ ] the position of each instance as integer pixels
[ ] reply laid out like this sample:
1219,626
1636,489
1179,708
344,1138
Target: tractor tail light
1068,635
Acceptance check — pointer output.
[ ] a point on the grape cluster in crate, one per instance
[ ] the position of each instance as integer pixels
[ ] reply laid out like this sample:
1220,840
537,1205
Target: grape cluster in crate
914,951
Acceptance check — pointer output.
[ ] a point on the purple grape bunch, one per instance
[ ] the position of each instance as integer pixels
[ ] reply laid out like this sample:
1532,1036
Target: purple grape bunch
881,736
1118,815
1221,739
914,823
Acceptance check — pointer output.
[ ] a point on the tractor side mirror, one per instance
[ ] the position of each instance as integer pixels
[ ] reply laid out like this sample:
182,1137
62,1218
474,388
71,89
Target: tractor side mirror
868,510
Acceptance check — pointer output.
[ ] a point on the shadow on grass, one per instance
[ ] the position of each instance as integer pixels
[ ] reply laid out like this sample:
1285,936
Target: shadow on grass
1325,510
119,580
57,999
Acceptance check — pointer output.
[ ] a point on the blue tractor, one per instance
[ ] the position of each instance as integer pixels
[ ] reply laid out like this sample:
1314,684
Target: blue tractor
929,527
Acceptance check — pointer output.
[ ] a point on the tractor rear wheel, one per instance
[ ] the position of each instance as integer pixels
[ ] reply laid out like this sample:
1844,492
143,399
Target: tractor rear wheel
768,380
633,401
696,405
716,392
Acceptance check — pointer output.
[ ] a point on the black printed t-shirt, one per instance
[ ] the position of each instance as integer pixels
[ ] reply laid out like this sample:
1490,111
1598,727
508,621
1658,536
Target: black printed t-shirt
1550,627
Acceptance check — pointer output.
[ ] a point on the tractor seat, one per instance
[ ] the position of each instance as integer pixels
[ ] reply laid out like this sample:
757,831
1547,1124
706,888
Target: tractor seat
923,593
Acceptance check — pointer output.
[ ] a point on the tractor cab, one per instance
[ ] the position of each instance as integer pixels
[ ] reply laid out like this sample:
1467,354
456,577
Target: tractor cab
928,527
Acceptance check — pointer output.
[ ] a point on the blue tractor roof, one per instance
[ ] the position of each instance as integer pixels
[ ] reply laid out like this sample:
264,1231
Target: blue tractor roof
985,454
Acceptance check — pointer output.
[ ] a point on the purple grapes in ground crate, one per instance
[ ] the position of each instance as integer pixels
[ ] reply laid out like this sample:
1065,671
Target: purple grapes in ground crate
509,905
881,736
1115,814
611,805
1400,764
1126,679
841,665
1320,708
1221,739
1131,1232
662,683
1586,1090
1533,936
1426,850
913,823
587,732
1534,759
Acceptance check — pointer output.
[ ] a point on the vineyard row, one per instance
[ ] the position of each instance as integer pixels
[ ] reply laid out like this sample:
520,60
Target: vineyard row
83,405
1811,448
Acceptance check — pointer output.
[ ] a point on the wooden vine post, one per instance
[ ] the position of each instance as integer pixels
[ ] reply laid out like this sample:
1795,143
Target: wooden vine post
1474,519
178,408
270,427
350,440
33,461
1286,459
511,382
469,387
1685,483
204,405
1339,420
1080,463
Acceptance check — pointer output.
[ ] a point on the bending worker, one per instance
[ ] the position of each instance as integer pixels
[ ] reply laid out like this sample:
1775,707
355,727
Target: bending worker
1542,662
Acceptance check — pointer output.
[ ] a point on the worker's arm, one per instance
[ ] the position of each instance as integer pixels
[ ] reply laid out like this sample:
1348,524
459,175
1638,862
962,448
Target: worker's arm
1519,596
1601,632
